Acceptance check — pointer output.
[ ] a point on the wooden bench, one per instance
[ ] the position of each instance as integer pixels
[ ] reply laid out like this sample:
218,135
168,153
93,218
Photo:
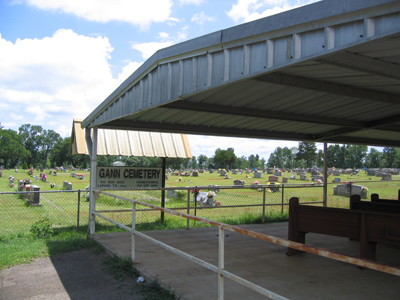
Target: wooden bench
375,198
368,227
389,206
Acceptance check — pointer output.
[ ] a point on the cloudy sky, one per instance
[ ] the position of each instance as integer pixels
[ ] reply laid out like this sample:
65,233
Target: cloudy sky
59,59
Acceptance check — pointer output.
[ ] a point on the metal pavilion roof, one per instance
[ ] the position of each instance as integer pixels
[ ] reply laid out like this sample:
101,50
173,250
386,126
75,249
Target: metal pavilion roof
131,143
326,72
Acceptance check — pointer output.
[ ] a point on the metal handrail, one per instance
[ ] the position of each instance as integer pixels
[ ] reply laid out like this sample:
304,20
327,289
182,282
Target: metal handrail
220,269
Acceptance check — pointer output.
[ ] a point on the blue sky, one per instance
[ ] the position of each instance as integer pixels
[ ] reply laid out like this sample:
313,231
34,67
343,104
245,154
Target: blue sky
59,59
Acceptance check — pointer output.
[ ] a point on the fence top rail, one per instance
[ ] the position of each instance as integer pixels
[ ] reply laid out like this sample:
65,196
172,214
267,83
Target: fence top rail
275,240
28,192
224,187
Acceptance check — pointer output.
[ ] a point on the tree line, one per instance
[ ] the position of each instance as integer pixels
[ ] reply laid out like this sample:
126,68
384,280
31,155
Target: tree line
33,146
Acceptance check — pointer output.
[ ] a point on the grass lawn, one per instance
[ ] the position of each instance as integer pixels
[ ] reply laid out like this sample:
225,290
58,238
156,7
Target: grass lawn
17,216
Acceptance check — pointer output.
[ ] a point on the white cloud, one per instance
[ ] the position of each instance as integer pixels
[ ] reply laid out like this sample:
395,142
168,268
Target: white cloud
201,18
148,49
136,12
197,2
55,79
249,10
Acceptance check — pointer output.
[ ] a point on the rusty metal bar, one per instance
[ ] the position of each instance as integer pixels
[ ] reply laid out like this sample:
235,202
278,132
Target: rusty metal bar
279,241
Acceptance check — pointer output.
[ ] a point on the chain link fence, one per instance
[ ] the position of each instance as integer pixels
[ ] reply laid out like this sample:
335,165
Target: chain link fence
227,204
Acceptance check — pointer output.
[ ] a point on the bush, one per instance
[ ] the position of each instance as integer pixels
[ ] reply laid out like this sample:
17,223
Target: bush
41,228
24,166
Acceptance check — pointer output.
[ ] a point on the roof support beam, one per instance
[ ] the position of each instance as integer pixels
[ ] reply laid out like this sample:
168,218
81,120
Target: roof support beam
327,87
361,63
264,114
204,130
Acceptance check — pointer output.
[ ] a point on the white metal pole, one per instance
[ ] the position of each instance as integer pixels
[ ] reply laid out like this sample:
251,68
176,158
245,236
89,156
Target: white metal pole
93,175
221,267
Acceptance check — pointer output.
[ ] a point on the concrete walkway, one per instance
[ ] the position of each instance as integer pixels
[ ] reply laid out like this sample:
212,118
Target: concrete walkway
304,276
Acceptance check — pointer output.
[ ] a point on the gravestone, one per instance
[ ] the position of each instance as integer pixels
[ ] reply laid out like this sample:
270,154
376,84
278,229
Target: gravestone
214,188
234,171
273,178
344,190
336,173
336,180
284,179
379,174
371,172
278,173
195,174
316,177
303,176
35,197
83,176
386,177
270,171
257,174
171,194
292,177
223,173
238,182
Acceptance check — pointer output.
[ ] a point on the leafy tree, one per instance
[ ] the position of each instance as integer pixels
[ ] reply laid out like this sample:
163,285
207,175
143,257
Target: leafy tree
11,148
254,161
176,163
308,152
202,161
374,158
49,138
193,162
32,136
390,155
59,155
225,157
242,162
282,158
356,156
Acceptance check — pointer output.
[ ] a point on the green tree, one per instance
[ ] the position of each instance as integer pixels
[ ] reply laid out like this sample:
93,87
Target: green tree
390,154
32,136
225,158
202,161
242,162
11,148
49,138
374,158
308,152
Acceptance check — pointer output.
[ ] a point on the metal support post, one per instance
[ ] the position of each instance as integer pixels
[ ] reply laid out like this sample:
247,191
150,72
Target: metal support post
263,209
133,244
221,267
325,191
93,175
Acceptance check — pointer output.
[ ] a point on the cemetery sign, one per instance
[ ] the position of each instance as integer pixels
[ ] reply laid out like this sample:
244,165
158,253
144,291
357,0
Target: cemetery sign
125,178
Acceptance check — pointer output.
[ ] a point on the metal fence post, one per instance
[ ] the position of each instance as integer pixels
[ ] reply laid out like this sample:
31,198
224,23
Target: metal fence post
263,209
221,266
133,245
188,208
283,192
79,208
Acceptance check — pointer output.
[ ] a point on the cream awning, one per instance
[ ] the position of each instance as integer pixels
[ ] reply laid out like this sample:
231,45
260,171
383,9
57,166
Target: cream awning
131,143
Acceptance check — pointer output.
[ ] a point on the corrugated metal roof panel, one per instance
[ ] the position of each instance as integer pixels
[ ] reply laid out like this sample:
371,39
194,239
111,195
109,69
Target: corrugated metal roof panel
131,143
135,143
329,63
147,144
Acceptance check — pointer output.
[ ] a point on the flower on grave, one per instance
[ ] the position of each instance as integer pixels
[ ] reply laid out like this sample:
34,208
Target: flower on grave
11,184
319,181
52,184
218,203
195,191
180,178
211,194
256,182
